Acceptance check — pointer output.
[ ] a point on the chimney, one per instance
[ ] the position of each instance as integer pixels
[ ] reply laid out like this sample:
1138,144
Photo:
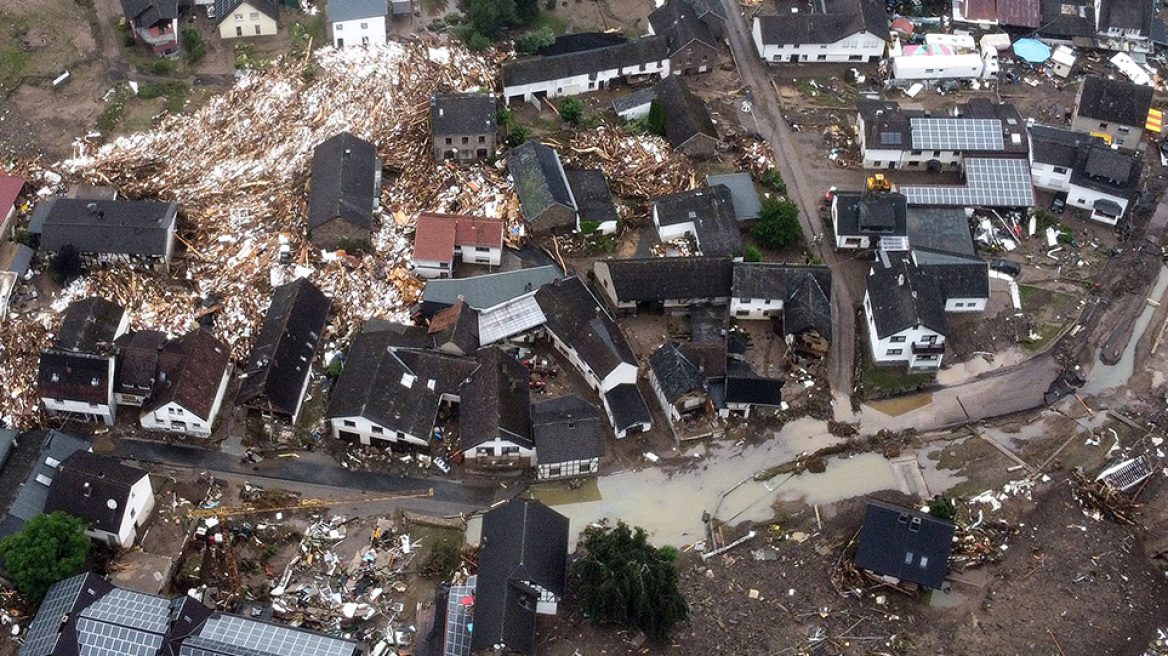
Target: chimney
348,153
92,207
87,488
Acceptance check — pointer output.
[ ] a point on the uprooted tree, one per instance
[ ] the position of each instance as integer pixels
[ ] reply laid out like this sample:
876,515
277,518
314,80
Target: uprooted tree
623,580
49,548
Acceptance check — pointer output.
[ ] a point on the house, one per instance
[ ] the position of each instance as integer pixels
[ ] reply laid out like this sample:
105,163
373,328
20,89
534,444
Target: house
869,220
345,191
964,279
989,182
463,126
678,383
626,410
987,13
693,45
634,105
154,23
1125,25
800,295
832,31
108,232
895,137
495,413
905,314
114,500
664,283
744,393
85,614
944,229
11,189
743,194
1115,110
569,438
280,366
706,215
76,375
193,373
589,68
246,18
455,330
1094,177
523,567
137,366
486,291
1068,22
596,210
544,193
357,22
688,126
32,494
904,546
441,238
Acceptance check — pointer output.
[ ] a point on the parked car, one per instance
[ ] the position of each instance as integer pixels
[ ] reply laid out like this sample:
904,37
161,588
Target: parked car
442,465
1008,267
1059,203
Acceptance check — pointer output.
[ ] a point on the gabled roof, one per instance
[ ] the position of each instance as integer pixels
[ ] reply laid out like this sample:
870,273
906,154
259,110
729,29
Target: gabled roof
74,377
686,115
904,296
637,98
678,20
197,364
523,542
147,13
496,401
747,203
905,544
754,390
838,20
344,181
538,177
808,304
940,228
94,488
627,405
1020,13
709,7
770,280
544,69
711,211
1076,20
282,357
376,385
581,42
566,428
346,10
124,227
225,8
1106,170
138,360
1114,101
401,336
659,279
1127,15
593,197
458,326
30,498
437,235
880,214
90,326
487,291
957,275
440,373
459,114
10,188
675,374
579,320
1057,146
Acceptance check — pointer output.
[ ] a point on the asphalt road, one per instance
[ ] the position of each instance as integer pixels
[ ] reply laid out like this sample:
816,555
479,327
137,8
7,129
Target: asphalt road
768,115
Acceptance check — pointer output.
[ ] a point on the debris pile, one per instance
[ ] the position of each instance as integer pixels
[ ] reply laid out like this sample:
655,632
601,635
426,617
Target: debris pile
1100,500
755,156
637,166
981,542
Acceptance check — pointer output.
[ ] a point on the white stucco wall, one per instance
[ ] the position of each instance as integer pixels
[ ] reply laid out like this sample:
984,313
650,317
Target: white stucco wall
244,21
1050,177
583,83
859,47
1084,198
362,31
884,351
755,308
366,432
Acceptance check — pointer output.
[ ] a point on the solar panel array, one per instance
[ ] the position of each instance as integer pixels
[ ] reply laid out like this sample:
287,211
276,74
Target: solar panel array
459,618
131,609
42,634
990,182
97,638
957,134
269,639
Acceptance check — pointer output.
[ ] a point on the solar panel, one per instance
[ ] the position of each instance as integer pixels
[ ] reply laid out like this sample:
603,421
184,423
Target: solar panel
131,609
459,618
957,134
990,182
891,138
96,638
42,634
271,639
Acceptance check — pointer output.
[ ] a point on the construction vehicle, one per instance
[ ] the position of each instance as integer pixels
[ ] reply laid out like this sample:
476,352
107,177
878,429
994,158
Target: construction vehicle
222,512
878,182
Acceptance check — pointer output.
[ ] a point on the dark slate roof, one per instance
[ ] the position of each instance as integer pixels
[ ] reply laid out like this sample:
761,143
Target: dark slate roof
940,228
886,124
282,356
1019,13
74,377
686,115
675,374
523,542
123,227
1056,24
747,203
1107,171
90,326
593,197
146,13
539,179
958,276
679,21
462,113
774,281
627,405
543,69
198,364
666,278
225,8
840,19
401,336
579,320
496,401
581,42
1114,101
94,488
808,304
708,357
377,385
754,390
344,181
487,291
138,360
905,544
457,325
8,439
1127,15
1057,146
711,210
30,498
345,10
877,215
904,296
1015,137
441,373
566,428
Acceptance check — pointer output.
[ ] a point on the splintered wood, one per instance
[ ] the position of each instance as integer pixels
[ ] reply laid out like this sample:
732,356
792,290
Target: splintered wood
238,167
636,166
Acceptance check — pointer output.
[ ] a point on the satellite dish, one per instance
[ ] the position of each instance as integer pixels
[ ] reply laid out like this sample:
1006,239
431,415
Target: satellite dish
113,505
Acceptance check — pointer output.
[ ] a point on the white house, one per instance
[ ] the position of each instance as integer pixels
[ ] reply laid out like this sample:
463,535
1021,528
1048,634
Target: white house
246,18
495,413
624,405
834,31
905,315
193,374
1094,177
895,137
440,239
115,500
357,22
76,374
582,71
943,62
664,283
862,221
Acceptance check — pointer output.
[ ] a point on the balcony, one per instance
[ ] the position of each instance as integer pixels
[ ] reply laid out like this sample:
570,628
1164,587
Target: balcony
928,348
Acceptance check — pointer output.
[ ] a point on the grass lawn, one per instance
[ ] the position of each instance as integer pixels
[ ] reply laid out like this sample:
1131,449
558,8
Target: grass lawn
882,382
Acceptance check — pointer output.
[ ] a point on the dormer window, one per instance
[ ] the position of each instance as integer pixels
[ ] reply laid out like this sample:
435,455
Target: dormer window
95,382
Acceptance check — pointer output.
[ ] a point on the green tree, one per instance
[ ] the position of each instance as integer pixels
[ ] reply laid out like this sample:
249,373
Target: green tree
778,224
625,581
490,17
66,264
533,41
753,254
517,134
193,44
48,549
527,11
656,119
773,180
571,110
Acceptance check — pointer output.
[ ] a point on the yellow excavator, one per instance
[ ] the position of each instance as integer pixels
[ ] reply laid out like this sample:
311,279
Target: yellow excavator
879,183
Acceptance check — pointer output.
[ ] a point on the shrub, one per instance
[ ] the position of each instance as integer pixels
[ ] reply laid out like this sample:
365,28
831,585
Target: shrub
163,66
533,41
517,134
778,224
193,44
655,122
773,180
753,254
571,110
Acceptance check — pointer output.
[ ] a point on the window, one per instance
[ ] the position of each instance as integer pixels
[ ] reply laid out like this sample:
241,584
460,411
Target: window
482,139
746,300
855,57
915,153
349,423
238,30
1102,126
257,30
908,557
1061,170
378,430
821,57
449,141
465,140
924,562
554,471
510,451
642,68
1123,129
897,339
338,27
239,18
929,339
254,16
936,153
364,26
926,357
959,304
364,40
894,352
484,452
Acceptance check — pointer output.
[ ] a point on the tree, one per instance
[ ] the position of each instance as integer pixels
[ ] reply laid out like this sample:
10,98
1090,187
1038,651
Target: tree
656,119
66,264
624,580
778,224
753,254
527,11
533,41
517,134
773,180
571,110
48,549
490,17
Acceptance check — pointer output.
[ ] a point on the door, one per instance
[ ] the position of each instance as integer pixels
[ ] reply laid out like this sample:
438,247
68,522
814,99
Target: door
238,30
340,43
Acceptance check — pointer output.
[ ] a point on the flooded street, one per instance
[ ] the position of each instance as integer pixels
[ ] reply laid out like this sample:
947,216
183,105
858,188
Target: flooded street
963,371
1103,377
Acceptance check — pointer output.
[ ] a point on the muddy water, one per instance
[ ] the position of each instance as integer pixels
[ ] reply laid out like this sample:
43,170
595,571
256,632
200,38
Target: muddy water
1103,377
965,371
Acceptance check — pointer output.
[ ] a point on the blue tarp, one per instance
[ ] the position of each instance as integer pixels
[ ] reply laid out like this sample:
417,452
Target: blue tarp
1032,50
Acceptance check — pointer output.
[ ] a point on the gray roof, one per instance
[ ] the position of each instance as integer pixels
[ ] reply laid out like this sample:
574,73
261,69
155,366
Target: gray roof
878,215
957,275
1057,146
32,495
445,374
711,211
22,260
904,296
346,10
7,443
90,326
686,116
123,227
94,488
74,377
566,428
462,113
224,8
538,177
770,280
1127,15
457,326
544,69
808,305
146,13
345,171
496,401
754,390
679,21
905,544
939,228
376,385
627,405
838,20
1056,23
593,197
658,279
483,292
1108,171
579,320
747,203
675,374
1114,101
642,96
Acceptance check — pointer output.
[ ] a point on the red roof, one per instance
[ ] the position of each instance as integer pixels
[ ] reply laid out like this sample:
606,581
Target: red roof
1020,13
979,10
437,235
10,187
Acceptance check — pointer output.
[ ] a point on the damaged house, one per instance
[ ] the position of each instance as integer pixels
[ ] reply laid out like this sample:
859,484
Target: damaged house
705,215
187,394
495,413
114,500
678,383
77,373
106,232
1095,178
544,193
658,284
688,126
442,239
905,313
1115,110
694,46
905,547
344,193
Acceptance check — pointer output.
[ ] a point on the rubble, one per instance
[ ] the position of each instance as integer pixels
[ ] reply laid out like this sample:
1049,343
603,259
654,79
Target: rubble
637,166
